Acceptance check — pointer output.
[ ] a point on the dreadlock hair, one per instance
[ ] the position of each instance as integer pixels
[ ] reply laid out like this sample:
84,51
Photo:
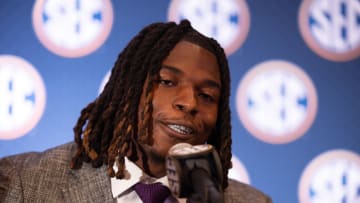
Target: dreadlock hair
106,130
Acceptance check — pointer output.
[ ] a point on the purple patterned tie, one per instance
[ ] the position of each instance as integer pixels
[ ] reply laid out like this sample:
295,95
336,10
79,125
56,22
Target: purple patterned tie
152,193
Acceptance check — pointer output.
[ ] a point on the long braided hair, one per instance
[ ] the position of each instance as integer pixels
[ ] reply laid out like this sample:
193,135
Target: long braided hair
106,130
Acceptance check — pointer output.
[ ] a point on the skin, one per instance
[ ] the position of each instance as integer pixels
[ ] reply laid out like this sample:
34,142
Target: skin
187,94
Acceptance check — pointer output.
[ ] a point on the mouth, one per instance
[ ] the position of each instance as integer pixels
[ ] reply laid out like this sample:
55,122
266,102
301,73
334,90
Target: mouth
179,131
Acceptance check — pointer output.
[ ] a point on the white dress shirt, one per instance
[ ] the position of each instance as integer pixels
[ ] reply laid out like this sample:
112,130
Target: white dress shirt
122,189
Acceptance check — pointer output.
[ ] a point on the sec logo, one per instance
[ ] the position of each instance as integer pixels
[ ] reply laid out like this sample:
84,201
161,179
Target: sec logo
104,82
22,100
238,171
228,21
331,28
276,101
333,176
72,28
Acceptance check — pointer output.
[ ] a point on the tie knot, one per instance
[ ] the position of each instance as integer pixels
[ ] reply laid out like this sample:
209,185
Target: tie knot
149,193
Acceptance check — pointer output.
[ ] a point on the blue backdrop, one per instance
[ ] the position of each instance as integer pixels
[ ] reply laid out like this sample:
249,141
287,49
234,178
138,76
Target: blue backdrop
274,34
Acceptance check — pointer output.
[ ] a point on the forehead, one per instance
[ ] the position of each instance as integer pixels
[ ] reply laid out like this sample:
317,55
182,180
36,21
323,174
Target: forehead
193,59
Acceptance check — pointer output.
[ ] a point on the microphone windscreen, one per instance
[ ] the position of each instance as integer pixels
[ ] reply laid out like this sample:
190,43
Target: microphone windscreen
183,158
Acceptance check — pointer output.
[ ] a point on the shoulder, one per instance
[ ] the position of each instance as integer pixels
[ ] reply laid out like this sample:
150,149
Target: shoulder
60,155
241,192
54,162
28,173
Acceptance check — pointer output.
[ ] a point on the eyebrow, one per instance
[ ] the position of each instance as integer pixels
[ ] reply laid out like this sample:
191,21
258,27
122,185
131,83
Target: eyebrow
210,83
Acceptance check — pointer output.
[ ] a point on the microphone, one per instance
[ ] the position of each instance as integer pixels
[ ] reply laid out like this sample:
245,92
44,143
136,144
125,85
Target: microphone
195,172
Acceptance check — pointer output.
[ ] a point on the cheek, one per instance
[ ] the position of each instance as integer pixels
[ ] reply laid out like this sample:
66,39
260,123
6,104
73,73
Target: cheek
210,118
161,105
157,105
159,101
210,125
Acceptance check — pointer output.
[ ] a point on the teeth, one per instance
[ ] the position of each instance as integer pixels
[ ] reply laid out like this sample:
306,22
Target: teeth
181,129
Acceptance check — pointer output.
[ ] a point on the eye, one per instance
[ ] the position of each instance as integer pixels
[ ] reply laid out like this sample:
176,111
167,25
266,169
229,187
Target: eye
207,97
166,82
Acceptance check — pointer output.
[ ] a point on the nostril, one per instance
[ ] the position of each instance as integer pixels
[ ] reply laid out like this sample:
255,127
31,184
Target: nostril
180,107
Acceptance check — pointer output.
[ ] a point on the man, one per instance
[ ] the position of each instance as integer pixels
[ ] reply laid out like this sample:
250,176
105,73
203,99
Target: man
169,85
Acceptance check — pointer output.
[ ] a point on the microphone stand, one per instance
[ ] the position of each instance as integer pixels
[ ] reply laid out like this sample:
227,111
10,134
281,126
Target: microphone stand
204,188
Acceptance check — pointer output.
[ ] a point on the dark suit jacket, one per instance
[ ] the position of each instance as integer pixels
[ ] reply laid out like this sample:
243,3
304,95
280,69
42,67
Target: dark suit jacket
47,177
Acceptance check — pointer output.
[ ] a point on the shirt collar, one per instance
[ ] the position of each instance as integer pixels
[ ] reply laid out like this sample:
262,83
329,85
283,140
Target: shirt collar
133,175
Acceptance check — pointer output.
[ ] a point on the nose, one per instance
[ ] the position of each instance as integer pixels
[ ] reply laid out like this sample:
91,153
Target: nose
186,101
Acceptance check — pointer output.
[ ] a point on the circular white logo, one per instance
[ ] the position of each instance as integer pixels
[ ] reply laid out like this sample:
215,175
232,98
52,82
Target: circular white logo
238,171
22,100
333,176
227,21
72,28
331,28
276,101
104,81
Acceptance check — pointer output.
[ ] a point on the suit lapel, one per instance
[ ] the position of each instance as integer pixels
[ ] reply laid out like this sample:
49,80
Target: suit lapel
88,185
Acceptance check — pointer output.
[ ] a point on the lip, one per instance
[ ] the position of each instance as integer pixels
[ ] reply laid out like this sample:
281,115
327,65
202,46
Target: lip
174,134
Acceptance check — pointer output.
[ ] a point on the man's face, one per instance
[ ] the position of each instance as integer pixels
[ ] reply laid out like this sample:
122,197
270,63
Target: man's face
185,99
